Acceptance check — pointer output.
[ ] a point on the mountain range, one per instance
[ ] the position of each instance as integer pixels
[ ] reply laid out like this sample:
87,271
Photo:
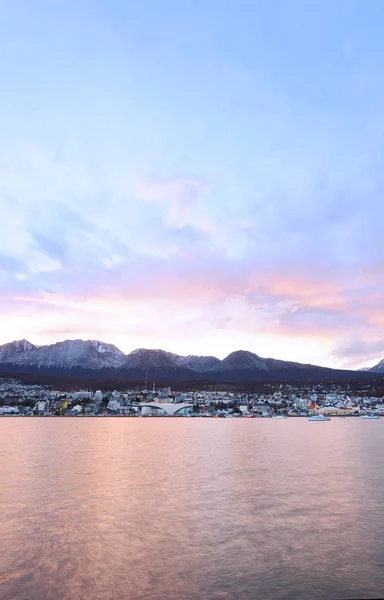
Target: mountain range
96,358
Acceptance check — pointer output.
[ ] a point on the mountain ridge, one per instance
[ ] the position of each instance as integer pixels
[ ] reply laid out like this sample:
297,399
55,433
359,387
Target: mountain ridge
94,354
96,358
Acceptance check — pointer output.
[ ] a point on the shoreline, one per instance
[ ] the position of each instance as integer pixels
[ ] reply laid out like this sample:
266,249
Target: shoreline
173,416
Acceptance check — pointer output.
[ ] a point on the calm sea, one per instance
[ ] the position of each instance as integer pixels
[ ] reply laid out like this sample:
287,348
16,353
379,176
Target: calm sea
191,509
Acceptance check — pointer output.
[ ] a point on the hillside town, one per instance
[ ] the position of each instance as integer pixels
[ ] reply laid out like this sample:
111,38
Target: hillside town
21,399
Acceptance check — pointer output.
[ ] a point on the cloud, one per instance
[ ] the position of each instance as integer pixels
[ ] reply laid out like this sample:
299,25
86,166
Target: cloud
357,351
10,264
314,320
246,210
176,198
50,245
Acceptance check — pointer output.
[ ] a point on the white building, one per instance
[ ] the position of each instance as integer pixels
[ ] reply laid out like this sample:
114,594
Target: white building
41,406
83,394
114,405
9,410
301,403
165,409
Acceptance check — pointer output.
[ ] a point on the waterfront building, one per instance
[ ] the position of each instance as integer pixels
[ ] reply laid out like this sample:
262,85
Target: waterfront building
41,406
300,403
9,410
165,409
114,405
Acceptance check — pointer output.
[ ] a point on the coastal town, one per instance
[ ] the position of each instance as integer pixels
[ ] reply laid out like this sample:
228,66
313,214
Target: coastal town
22,399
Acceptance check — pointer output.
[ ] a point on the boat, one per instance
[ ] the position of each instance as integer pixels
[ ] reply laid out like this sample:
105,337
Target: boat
319,418
370,417
279,417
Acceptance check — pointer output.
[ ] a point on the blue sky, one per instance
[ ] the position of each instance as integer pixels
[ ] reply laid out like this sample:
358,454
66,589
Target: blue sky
197,176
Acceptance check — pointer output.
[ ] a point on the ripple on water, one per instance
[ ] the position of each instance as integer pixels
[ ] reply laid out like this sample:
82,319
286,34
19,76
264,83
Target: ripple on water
190,509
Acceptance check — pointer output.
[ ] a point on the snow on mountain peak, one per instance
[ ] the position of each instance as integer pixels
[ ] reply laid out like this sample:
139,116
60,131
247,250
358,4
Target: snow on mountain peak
22,345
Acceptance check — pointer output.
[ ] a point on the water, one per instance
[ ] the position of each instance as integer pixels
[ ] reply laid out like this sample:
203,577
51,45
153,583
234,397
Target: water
191,509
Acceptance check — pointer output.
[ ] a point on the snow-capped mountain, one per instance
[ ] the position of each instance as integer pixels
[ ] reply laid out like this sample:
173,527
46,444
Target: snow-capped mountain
97,357
15,350
70,354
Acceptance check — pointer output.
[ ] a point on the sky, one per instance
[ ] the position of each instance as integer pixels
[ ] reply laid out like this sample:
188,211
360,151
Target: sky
200,176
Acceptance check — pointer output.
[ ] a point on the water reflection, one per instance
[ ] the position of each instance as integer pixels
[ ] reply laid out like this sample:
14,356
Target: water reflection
191,509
